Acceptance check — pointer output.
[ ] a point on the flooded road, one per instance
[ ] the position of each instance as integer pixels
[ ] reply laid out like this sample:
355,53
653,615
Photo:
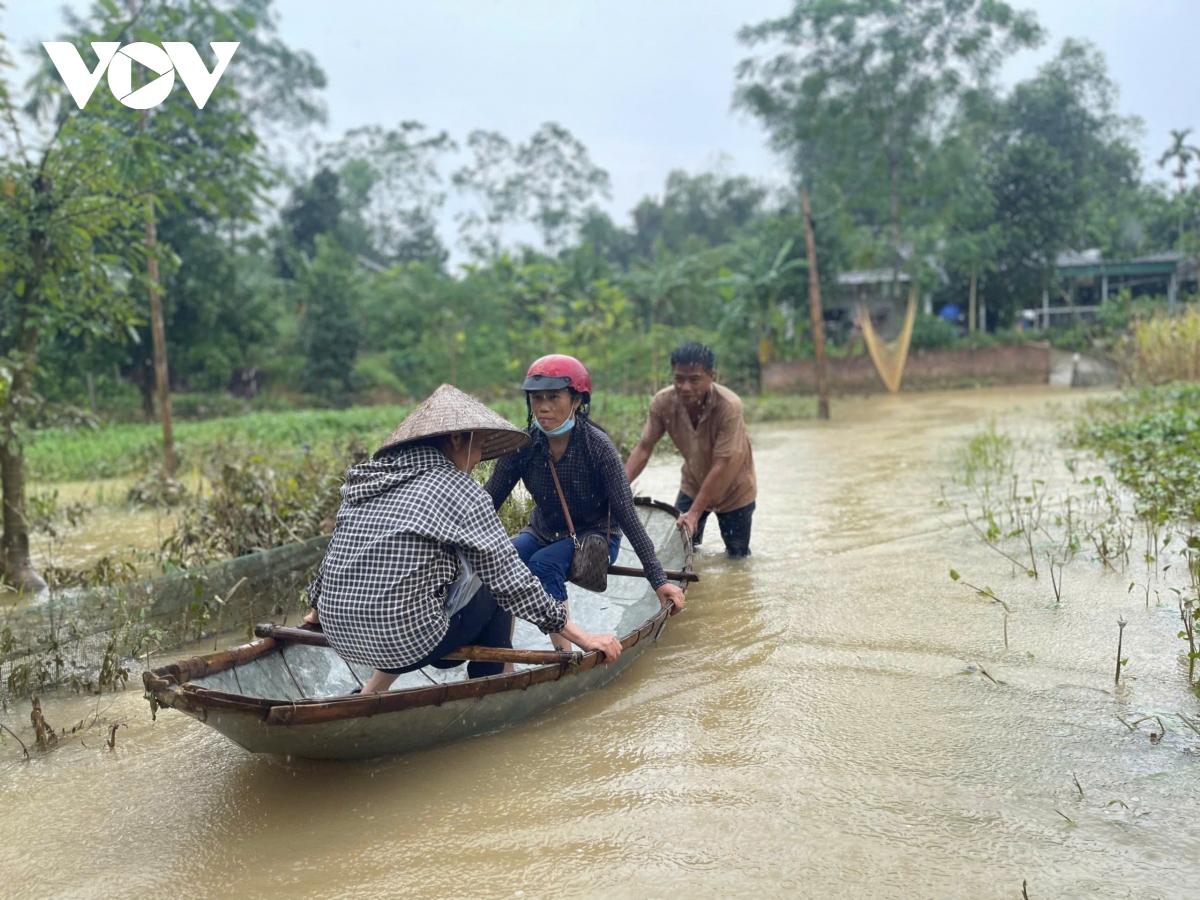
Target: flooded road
818,723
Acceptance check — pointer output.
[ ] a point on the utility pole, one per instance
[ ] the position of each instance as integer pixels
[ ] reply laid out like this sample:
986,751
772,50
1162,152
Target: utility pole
814,308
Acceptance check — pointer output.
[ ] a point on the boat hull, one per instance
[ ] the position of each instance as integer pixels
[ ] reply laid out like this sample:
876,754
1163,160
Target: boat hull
284,698
392,733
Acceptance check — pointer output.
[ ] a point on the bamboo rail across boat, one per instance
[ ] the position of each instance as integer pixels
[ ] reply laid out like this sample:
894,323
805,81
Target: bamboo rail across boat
268,695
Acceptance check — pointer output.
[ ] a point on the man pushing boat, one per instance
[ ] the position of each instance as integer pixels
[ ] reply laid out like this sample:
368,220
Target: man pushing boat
704,419
419,564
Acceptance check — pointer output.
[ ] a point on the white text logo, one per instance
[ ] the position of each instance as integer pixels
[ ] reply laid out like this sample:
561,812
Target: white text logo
164,61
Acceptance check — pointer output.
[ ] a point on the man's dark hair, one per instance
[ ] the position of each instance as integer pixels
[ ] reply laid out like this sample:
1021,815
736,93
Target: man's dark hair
694,353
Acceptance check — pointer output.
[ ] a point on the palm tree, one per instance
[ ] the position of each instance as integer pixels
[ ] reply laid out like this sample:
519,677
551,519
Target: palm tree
753,295
1183,153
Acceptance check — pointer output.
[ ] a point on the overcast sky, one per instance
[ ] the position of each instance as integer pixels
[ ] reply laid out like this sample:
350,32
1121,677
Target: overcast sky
645,84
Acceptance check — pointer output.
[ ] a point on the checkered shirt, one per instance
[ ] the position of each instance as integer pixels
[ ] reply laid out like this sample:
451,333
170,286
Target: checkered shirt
381,588
593,481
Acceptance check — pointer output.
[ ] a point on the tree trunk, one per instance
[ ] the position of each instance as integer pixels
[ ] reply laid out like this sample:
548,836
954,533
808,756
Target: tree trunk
159,334
972,305
814,306
14,546
91,389
142,375
15,564
895,167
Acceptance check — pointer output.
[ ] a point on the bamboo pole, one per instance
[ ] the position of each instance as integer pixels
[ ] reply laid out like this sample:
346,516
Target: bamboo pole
634,572
479,654
814,306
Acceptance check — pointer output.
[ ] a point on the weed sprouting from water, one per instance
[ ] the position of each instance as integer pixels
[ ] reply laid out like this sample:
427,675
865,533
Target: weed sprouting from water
24,749
1040,520
1121,662
989,594
986,460
1056,581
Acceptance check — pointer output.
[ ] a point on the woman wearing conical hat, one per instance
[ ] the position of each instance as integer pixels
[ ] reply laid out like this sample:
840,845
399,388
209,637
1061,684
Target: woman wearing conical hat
419,564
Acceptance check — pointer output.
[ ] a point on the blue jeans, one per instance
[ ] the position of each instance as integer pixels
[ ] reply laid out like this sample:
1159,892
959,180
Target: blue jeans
551,563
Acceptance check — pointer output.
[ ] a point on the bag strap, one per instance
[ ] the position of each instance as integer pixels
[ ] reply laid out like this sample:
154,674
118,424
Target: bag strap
561,498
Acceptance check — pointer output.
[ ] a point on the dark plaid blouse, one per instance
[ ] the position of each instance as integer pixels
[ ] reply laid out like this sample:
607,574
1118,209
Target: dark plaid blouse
381,589
593,481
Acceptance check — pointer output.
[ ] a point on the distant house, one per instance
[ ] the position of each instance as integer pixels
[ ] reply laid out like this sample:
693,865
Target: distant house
883,292
1086,280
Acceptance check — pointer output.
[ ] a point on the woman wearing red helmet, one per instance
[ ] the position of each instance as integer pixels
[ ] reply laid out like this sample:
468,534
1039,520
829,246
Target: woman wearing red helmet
558,393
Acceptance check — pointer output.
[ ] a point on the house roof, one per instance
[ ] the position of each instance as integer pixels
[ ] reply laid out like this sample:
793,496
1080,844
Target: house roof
873,276
1073,264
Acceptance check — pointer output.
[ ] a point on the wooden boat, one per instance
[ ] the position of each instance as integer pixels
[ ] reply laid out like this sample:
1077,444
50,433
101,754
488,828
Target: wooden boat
288,693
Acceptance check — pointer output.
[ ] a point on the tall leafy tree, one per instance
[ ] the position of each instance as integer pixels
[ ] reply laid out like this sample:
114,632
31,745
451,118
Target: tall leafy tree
854,90
1182,154
1036,198
493,178
314,207
73,189
331,290
391,191
559,181
549,181
697,211
1071,104
962,226
88,173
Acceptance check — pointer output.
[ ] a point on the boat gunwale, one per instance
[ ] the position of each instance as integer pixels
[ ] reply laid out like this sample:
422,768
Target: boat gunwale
171,686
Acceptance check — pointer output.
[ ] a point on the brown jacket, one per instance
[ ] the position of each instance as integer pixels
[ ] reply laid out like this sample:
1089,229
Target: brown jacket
721,431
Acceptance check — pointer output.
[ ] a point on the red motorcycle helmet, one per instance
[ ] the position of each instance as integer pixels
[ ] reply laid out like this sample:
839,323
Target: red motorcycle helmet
558,371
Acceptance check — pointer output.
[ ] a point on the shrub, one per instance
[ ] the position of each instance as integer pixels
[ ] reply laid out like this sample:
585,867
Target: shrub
1168,347
933,333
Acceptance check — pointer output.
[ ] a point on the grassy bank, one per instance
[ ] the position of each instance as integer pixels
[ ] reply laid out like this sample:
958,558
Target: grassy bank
82,454
1151,439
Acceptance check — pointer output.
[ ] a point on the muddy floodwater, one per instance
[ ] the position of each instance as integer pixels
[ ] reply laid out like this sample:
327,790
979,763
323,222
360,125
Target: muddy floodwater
817,724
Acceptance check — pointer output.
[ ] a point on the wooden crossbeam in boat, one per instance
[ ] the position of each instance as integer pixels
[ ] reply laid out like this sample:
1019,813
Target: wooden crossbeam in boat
641,573
470,653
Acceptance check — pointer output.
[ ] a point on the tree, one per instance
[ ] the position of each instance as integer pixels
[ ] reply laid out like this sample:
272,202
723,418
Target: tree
610,242
72,257
697,211
331,290
67,238
1071,104
765,274
314,208
559,180
549,181
965,232
391,191
855,95
494,178
1035,192
666,288
1183,154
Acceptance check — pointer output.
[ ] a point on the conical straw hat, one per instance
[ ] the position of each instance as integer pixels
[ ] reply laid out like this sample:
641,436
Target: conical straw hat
449,411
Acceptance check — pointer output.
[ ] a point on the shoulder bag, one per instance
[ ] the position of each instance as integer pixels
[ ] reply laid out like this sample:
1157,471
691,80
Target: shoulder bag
589,564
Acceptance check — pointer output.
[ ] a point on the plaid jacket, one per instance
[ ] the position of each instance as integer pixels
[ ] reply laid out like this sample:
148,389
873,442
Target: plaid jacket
593,481
381,588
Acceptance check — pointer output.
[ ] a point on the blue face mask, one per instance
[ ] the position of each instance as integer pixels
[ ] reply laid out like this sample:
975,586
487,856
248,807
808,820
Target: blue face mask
556,432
